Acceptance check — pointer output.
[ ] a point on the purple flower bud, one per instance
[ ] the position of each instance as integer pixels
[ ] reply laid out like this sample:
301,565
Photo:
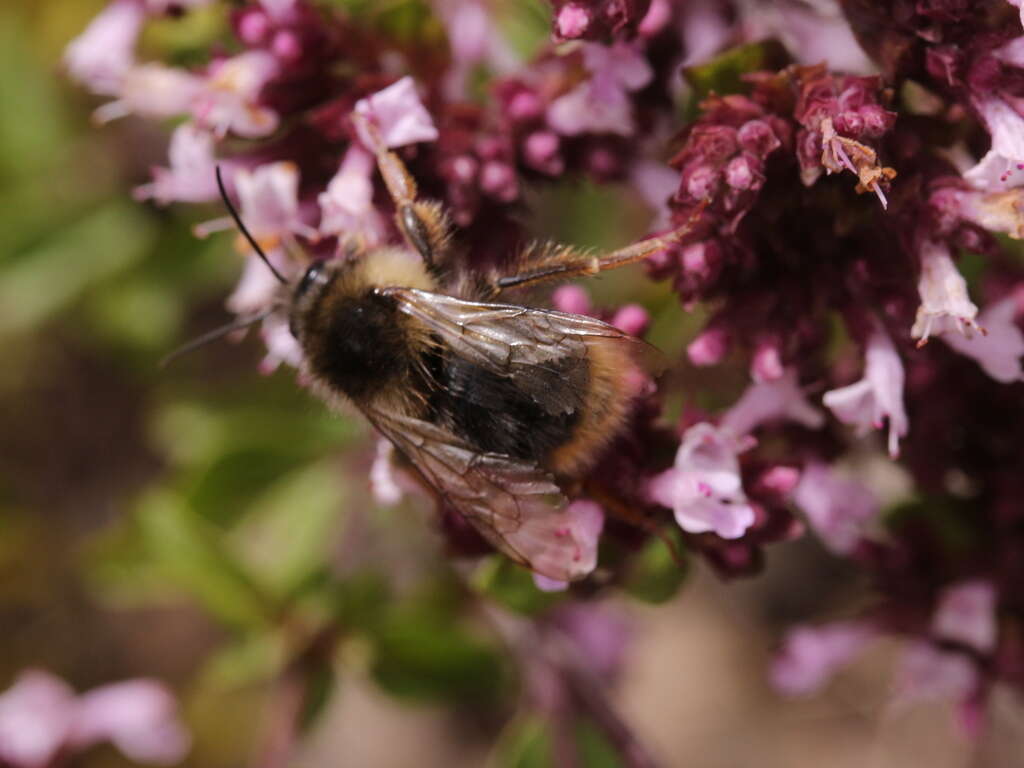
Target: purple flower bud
499,180
740,173
541,152
632,319
758,138
573,299
524,106
252,26
767,362
286,46
572,21
709,348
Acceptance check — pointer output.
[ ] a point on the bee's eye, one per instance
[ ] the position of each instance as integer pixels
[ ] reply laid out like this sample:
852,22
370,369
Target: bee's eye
316,274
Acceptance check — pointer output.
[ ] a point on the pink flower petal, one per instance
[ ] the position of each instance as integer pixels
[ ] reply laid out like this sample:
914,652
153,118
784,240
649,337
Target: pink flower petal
998,351
138,716
966,614
398,115
36,716
810,656
837,509
767,401
100,57
878,397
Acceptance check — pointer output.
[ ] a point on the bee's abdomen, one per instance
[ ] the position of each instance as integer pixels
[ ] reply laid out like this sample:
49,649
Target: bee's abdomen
496,415
359,345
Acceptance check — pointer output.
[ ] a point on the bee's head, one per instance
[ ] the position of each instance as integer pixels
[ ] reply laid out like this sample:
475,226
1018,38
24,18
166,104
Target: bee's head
307,293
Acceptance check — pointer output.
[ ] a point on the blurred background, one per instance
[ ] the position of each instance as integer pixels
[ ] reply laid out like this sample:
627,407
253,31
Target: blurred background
185,523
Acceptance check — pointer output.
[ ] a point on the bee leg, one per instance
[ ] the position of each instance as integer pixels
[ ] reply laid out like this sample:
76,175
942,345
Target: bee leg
423,223
564,262
622,511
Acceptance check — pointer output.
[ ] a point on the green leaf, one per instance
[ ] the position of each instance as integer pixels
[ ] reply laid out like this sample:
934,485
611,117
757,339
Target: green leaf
724,73
43,281
594,748
286,537
422,651
321,684
190,553
511,585
526,743
33,120
654,576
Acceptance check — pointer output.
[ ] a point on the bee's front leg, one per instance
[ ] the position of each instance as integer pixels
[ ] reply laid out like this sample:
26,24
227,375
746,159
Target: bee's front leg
423,223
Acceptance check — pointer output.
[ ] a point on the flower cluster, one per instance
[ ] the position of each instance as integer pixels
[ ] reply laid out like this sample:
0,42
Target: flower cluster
827,206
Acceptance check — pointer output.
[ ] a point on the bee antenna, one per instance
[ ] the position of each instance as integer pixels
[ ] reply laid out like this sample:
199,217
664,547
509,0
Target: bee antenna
214,335
242,227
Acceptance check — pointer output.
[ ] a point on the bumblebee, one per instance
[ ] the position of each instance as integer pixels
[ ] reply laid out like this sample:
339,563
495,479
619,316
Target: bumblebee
499,407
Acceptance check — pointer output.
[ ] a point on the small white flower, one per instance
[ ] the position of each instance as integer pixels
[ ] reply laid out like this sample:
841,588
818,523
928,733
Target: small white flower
229,98
191,177
998,351
945,305
100,57
868,403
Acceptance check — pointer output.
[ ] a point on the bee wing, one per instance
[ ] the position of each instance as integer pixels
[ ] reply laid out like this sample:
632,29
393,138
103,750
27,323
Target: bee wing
514,504
528,344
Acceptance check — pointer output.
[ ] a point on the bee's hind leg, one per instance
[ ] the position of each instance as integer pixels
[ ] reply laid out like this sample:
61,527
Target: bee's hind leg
423,223
561,262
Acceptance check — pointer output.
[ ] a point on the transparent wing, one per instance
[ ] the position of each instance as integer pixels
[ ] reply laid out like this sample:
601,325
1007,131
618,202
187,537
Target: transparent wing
514,504
526,344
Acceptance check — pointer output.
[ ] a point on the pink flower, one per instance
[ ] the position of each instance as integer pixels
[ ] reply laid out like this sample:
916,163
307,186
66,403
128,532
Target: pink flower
925,672
191,177
601,104
41,716
258,288
398,115
572,299
383,483
966,614
945,305
36,716
995,206
837,509
282,347
269,201
1006,126
561,545
473,38
867,403
599,634
100,57
811,655
347,205
153,91
1018,4
998,351
704,488
139,717
762,402
228,101
995,173
544,584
